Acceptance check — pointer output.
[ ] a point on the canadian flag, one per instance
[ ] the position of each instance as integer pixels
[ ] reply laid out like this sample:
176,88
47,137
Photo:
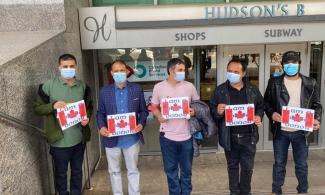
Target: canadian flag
178,107
121,124
241,114
72,114
297,118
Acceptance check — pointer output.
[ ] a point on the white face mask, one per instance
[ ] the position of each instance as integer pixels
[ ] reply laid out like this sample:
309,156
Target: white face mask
233,78
180,76
68,73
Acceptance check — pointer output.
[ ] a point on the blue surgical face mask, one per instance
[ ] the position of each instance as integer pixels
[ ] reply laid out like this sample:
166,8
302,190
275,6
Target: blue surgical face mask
233,77
278,74
68,73
291,69
119,77
180,76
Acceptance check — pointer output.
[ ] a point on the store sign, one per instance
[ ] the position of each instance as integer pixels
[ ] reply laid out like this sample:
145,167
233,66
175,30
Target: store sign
97,27
175,108
297,118
121,124
221,11
149,71
72,114
238,115
284,32
254,11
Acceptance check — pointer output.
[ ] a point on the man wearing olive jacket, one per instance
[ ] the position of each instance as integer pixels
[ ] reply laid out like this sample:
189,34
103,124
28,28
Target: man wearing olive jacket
68,146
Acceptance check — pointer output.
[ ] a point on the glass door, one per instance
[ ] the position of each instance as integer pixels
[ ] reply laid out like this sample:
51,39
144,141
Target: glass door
254,58
273,57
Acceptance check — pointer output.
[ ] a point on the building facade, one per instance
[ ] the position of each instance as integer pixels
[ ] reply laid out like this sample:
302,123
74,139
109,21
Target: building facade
206,34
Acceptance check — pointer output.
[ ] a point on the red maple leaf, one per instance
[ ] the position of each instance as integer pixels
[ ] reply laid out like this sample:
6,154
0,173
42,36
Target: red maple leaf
297,118
122,124
239,114
175,107
72,114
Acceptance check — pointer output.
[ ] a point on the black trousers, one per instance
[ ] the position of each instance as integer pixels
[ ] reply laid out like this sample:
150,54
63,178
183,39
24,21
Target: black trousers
240,162
62,158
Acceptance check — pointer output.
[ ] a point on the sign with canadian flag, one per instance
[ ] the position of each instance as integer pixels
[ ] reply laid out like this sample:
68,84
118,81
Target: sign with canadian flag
121,124
297,118
173,108
238,115
72,114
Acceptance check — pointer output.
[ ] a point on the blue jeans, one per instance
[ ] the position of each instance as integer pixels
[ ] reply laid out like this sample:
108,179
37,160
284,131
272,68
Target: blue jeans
62,157
242,153
177,158
300,154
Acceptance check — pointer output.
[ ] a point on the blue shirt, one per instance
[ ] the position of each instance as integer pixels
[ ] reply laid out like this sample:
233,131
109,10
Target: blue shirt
121,98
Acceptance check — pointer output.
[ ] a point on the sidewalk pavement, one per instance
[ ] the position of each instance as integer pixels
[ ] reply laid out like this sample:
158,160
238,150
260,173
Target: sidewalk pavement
210,175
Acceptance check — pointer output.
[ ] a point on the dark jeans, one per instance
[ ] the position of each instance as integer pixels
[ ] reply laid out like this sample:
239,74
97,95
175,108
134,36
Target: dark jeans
62,157
177,158
242,153
300,154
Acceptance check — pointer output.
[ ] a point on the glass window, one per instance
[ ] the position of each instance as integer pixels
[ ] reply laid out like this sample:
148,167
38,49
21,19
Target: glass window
316,60
207,58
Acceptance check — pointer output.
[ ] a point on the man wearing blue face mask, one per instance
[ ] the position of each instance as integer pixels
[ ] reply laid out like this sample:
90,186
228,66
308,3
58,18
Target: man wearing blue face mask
175,138
295,90
118,98
66,147
239,142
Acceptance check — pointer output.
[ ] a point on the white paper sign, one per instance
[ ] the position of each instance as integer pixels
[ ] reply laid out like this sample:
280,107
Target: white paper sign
238,115
297,118
72,114
121,124
172,108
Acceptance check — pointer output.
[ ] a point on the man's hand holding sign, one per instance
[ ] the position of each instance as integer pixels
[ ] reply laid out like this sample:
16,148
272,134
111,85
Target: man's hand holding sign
299,118
71,114
237,115
174,108
279,118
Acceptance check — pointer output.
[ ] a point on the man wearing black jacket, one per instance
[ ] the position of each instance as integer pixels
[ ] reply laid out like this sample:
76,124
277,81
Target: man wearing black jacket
239,142
295,90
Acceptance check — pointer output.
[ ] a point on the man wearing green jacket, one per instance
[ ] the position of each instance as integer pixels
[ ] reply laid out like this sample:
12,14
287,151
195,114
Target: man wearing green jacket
65,146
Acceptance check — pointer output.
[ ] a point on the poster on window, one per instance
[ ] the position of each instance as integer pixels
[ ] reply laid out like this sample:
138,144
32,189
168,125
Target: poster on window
147,97
173,108
121,124
72,114
145,71
297,118
238,115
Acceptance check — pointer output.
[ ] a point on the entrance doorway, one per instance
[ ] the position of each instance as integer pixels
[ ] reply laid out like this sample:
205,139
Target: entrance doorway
262,61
